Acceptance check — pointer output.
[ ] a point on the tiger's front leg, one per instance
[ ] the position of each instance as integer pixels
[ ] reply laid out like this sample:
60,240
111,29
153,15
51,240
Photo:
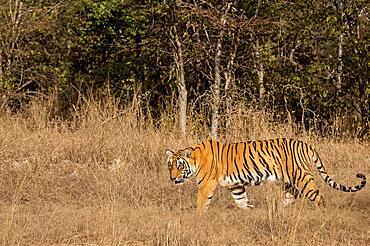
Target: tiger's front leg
205,194
240,197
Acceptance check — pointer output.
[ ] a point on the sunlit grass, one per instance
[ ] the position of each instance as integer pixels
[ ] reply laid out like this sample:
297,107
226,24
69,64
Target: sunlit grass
100,178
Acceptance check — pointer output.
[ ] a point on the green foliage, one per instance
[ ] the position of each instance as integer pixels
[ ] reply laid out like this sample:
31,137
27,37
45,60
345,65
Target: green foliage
30,55
126,48
112,45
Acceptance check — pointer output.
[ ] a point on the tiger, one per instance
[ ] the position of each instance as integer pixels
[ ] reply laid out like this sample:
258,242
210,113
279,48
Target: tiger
238,165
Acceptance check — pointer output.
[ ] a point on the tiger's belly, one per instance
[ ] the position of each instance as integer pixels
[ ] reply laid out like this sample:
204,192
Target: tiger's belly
227,182
230,182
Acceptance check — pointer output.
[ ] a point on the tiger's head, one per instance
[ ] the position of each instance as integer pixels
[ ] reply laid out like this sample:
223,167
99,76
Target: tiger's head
179,165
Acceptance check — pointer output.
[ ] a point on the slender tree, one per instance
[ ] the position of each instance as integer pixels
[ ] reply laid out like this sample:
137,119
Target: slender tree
217,77
180,77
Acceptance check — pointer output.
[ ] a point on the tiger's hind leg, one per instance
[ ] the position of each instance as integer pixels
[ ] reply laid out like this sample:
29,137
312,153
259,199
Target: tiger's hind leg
308,188
240,197
291,194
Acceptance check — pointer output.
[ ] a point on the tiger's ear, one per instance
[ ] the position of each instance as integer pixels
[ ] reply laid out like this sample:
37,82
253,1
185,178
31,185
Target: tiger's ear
169,153
187,152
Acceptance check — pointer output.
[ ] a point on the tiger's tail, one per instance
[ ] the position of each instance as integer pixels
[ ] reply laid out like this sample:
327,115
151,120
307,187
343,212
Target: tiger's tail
321,169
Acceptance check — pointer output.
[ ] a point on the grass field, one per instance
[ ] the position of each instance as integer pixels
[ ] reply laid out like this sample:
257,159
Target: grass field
100,178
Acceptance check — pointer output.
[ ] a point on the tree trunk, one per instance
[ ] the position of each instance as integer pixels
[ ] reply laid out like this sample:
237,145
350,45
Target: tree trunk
216,89
228,80
180,74
217,83
260,69
340,61
260,73
340,48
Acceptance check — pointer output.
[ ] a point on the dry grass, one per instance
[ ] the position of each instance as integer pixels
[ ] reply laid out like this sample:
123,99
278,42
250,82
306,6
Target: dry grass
100,179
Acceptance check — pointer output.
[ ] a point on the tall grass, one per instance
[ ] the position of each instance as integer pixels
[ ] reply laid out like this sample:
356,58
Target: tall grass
100,178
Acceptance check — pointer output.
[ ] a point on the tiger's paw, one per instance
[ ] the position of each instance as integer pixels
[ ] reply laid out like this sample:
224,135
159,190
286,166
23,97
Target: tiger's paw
244,205
289,199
